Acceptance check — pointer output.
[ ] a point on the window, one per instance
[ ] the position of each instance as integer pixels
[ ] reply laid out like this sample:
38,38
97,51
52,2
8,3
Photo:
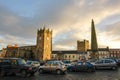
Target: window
49,63
36,62
73,56
6,60
21,61
65,56
69,56
79,63
99,62
14,62
107,61
55,64
29,63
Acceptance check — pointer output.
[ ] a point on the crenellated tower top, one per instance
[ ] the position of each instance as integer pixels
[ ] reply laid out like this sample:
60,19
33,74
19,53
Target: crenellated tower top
44,30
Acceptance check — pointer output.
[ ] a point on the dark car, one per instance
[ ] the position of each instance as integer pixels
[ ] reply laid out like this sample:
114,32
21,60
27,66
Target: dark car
15,66
82,66
118,62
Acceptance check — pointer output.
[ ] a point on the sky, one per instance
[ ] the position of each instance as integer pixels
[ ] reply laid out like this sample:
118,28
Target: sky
70,20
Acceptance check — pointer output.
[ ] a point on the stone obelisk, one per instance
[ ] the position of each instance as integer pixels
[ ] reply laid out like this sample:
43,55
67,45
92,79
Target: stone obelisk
94,44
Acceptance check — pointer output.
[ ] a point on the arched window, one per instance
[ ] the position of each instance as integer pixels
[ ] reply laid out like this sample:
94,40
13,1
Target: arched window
73,56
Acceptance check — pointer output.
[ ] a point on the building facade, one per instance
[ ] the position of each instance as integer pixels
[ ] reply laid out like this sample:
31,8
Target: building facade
114,53
68,55
102,53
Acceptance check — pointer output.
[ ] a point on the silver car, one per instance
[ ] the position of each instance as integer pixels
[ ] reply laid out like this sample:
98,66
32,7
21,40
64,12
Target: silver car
53,66
106,64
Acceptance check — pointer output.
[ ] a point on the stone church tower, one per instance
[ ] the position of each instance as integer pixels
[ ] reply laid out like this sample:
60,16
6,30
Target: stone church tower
44,44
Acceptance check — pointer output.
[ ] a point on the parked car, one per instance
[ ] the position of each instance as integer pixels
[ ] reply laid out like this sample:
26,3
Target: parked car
82,66
15,66
106,64
33,63
118,62
53,66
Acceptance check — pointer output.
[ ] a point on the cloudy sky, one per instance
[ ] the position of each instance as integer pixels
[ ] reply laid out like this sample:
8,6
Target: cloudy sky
70,21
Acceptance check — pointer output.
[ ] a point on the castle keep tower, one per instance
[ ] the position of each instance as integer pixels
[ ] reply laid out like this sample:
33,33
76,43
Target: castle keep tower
83,46
94,45
44,44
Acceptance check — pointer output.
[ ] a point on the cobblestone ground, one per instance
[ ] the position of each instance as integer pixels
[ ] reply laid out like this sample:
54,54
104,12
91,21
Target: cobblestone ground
98,75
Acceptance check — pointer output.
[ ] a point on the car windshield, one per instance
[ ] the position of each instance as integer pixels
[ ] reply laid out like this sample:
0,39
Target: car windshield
92,60
87,63
28,63
21,61
66,62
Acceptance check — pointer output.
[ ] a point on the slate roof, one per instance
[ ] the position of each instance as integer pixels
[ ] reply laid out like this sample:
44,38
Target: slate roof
67,52
100,49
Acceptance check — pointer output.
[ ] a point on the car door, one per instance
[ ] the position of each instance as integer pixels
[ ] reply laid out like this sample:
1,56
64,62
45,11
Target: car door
107,64
86,66
54,66
99,64
14,66
6,65
47,66
79,66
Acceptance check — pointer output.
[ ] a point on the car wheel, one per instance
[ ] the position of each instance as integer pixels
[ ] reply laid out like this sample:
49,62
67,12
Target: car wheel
40,71
114,68
58,72
23,73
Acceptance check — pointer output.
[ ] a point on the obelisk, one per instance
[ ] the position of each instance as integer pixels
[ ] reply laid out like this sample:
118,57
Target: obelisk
94,44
